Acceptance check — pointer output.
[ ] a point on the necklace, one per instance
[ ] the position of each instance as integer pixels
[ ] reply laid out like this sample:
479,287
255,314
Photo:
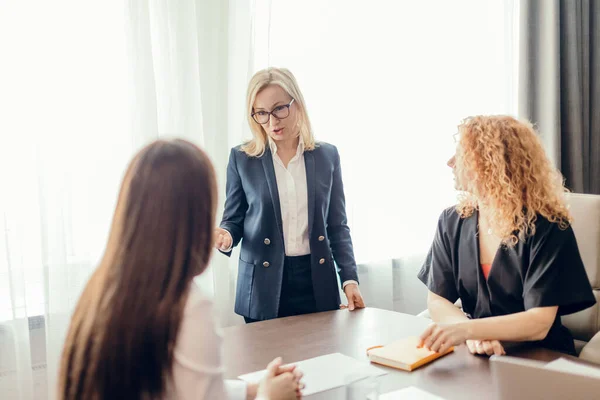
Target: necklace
489,231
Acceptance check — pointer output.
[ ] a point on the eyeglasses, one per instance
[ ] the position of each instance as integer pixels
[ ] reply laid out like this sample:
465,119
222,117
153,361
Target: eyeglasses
280,112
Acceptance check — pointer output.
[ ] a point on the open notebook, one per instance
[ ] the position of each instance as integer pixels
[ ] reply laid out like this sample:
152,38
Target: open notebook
404,354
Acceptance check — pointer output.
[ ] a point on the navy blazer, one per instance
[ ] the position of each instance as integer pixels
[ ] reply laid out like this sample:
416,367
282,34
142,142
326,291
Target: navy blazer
253,215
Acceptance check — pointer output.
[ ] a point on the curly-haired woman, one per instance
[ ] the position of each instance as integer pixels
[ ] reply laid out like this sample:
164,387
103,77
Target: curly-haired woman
507,250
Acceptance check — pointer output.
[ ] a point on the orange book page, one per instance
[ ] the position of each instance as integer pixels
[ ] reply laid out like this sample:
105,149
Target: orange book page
405,351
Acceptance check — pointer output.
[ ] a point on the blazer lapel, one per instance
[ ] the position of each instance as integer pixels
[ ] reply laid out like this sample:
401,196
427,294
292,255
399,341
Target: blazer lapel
267,162
309,162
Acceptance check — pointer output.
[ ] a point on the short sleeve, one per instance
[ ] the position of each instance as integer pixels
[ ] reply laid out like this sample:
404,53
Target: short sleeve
437,272
556,275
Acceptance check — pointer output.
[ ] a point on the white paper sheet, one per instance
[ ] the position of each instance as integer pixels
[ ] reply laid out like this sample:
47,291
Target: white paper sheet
409,393
326,372
564,365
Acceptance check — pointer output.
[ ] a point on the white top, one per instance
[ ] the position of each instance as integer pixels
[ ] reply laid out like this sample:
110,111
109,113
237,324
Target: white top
293,200
197,365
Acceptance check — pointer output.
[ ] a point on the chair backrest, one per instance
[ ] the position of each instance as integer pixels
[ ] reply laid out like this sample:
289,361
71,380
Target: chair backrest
585,210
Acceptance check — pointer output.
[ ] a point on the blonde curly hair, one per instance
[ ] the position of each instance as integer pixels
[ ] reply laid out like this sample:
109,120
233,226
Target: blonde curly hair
502,165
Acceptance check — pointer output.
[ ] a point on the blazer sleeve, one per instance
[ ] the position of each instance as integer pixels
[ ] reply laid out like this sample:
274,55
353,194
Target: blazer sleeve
337,227
236,204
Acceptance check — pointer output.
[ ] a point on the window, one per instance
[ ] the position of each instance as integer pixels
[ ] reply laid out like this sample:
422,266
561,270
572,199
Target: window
387,82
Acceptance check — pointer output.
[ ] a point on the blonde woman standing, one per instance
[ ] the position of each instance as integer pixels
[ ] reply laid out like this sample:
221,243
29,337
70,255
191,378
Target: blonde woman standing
285,203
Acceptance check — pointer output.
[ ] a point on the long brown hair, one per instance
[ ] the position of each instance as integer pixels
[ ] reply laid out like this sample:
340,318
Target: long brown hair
122,334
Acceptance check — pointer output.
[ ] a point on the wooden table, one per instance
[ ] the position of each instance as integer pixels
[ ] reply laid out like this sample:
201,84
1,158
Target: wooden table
459,375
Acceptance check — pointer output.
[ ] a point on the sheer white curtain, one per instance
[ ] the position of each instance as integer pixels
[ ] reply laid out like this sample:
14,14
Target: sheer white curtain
64,144
190,63
85,86
387,82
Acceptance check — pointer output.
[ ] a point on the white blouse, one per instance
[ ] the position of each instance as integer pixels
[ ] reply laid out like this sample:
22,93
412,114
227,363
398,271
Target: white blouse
197,365
293,200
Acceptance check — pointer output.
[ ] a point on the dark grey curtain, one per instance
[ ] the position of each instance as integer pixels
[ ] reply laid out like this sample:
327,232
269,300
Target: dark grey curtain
559,84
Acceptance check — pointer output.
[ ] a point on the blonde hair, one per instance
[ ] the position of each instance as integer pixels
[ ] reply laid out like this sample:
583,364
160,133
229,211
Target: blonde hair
502,164
283,78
